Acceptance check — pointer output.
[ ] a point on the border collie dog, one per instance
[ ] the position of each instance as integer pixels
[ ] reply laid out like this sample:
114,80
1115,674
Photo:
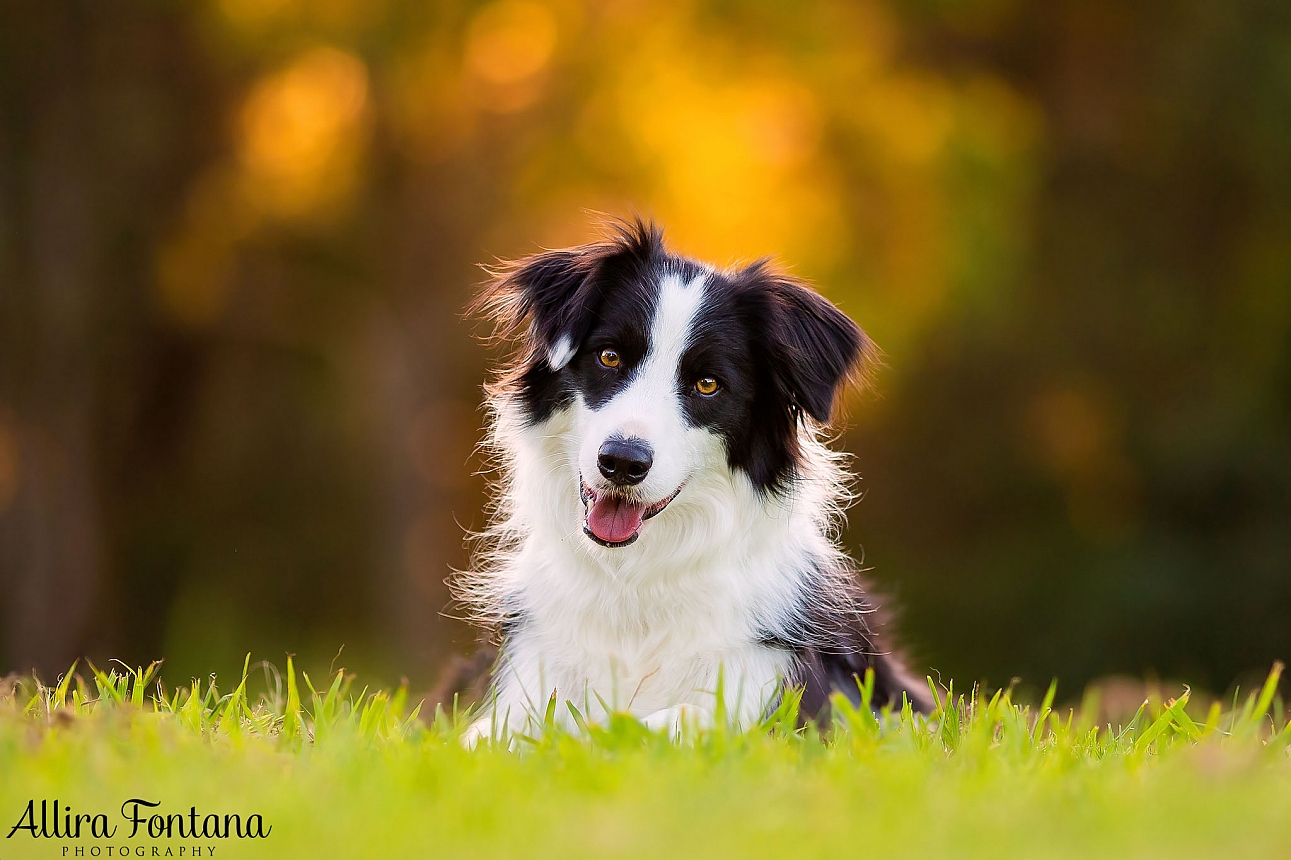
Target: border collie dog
666,523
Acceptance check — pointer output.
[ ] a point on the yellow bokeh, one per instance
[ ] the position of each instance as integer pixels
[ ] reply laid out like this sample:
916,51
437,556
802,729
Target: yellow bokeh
510,41
430,110
300,139
508,45
833,159
733,160
300,135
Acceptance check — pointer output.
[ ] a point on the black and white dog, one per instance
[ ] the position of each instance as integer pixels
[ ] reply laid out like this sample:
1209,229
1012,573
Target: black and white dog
667,518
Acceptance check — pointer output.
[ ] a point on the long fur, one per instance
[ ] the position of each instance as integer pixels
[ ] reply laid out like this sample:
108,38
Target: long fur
737,588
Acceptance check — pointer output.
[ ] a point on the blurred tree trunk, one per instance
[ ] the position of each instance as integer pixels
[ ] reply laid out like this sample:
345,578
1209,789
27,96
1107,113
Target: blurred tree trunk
49,534
429,420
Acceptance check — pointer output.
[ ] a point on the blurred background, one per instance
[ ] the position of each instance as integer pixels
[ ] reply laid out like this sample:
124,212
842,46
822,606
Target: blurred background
239,399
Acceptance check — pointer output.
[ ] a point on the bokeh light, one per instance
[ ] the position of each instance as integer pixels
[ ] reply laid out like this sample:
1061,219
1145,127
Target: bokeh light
239,401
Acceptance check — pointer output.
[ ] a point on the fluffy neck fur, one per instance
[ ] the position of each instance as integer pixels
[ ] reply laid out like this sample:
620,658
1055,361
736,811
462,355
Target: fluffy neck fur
722,568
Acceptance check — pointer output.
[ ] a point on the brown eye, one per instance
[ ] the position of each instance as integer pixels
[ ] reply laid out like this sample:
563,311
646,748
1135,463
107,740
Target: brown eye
706,386
610,358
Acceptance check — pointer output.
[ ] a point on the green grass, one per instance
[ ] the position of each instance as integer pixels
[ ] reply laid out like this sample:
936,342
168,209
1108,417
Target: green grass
341,773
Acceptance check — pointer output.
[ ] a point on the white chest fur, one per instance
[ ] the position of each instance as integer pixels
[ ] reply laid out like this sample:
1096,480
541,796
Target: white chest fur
636,646
667,622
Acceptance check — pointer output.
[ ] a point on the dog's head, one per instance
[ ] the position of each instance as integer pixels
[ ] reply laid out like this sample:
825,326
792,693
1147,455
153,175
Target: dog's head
672,371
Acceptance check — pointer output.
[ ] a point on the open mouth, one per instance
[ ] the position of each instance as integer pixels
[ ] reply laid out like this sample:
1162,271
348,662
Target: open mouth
613,520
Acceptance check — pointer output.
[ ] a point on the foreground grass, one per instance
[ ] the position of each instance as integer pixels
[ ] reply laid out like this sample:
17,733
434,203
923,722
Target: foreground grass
338,772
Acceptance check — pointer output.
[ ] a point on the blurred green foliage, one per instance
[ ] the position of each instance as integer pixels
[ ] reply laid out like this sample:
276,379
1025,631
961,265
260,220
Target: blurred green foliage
238,401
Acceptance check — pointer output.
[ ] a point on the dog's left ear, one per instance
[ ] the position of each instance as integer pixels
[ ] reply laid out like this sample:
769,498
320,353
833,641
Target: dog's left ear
818,348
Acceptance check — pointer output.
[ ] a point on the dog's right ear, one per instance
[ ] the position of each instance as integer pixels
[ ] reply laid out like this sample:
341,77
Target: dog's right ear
554,292
558,293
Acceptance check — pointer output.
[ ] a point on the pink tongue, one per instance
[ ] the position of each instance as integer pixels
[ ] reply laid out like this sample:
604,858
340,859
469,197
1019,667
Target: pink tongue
614,520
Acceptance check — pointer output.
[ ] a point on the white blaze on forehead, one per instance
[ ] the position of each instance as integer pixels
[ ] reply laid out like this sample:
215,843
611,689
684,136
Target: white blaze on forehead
674,319
650,407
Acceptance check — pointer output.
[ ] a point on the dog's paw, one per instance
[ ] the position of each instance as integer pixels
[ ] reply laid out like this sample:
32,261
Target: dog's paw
678,720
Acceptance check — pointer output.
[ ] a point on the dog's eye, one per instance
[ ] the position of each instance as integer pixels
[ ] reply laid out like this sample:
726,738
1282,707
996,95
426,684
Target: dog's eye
610,358
707,386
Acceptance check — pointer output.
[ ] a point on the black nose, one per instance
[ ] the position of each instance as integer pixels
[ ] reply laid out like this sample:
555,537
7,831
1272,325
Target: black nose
625,461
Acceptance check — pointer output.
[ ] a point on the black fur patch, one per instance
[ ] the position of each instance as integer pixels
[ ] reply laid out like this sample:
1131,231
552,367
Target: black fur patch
834,638
561,295
780,351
